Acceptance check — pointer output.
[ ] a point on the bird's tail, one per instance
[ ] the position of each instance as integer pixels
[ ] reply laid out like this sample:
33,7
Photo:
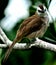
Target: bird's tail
9,51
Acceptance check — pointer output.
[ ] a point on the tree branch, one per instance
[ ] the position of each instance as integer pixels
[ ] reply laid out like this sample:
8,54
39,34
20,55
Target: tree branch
37,43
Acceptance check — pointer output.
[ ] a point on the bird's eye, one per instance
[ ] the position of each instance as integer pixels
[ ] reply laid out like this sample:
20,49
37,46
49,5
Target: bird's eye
41,11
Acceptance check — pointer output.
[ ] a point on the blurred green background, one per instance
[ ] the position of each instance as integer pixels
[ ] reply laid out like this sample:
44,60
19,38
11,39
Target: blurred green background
33,56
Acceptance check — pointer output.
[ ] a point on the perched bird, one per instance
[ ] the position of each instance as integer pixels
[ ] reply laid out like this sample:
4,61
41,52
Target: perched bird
32,27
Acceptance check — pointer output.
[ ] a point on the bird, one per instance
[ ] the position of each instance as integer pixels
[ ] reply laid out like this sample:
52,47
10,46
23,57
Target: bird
34,26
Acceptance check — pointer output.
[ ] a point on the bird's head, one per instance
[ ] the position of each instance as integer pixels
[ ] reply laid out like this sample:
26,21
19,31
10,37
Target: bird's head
41,10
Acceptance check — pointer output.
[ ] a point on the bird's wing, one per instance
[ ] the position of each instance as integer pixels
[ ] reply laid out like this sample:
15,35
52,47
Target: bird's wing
25,22
34,26
31,25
